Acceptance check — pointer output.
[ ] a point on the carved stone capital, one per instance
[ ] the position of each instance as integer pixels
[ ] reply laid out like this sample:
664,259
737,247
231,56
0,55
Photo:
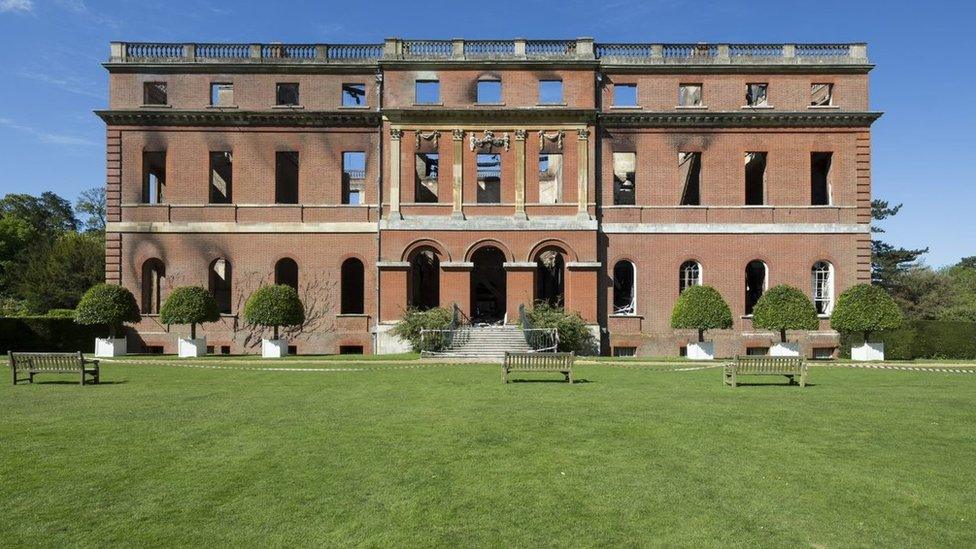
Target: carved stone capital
457,134
584,134
520,135
396,133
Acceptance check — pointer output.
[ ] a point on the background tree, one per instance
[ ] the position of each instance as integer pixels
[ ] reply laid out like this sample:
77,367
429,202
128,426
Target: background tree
888,261
49,214
107,304
91,204
784,308
189,305
15,236
865,309
274,306
701,308
54,276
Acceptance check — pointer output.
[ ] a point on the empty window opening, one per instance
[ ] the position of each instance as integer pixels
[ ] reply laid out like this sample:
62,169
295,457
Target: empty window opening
689,274
625,95
154,93
222,95
624,351
689,168
220,284
757,351
153,275
624,284
286,272
550,92
550,276
755,283
353,177
153,176
425,179
756,95
424,290
489,91
427,91
489,178
624,177
822,280
755,178
286,94
820,178
293,349
690,95
821,95
824,353
352,286
488,285
354,95
153,349
550,178
350,349
286,177
221,177
225,349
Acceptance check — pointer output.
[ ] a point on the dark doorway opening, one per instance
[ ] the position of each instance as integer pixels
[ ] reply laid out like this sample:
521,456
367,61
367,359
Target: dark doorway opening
550,276
424,291
488,297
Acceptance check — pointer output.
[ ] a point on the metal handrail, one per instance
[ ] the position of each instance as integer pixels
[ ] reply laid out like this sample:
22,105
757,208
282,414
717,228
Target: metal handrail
540,340
456,335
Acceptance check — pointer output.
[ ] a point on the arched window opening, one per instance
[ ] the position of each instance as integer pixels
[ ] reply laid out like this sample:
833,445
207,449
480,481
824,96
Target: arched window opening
550,276
822,278
624,293
690,274
351,287
424,291
756,277
286,272
220,284
488,291
153,273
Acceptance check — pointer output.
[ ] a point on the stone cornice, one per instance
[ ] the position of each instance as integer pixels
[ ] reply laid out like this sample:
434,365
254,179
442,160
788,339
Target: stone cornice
496,116
816,119
218,117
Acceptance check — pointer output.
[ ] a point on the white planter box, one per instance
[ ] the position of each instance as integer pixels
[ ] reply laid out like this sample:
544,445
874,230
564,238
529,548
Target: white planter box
701,350
106,347
190,348
274,348
785,349
868,351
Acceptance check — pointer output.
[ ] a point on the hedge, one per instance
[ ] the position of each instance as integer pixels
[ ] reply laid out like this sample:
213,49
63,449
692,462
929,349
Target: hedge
42,333
922,339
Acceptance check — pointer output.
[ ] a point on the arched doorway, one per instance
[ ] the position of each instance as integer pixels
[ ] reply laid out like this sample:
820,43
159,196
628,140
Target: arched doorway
550,276
488,297
424,288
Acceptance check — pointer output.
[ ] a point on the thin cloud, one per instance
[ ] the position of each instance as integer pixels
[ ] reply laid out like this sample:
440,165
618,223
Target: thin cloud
48,137
79,7
16,6
65,82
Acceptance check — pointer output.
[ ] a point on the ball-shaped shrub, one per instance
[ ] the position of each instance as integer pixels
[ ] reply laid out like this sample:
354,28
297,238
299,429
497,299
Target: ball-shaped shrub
274,306
107,304
414,320
865,309
701,308
189,305
784,308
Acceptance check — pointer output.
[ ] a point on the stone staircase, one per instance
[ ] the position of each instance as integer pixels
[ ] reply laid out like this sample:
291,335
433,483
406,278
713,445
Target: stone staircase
487,342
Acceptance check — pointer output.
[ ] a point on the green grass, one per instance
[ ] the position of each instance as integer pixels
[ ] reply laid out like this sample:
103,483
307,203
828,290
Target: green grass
449,456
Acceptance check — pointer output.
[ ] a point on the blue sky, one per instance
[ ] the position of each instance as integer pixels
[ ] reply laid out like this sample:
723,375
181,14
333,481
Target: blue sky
924,147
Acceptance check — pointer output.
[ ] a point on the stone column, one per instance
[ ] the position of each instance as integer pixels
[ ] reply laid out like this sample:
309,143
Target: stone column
458,173
395,135
519,287
520,174
582,191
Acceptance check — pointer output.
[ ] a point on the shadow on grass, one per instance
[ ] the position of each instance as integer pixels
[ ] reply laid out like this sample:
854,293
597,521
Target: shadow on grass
575,381
785,384
67,382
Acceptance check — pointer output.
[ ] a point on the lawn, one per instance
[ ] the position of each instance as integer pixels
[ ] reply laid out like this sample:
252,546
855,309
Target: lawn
410,454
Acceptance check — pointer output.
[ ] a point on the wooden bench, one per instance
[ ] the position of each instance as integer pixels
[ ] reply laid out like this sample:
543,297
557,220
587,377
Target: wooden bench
788,366
32,364
539,362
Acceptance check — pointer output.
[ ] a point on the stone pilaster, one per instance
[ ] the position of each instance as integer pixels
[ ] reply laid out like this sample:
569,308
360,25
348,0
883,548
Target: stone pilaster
520,174
458,171
395,135
582,191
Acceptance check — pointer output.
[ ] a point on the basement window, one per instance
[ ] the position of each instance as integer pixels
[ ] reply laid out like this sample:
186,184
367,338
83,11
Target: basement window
425,179
222,95
353,177
427,92
286,94
550,92
354,95
623,178
755,178
625,351
625,95
154,93
756,95
550,178
690,95
689,168
221,177
489,178
489,92
820,178
821,95
286,177
153,176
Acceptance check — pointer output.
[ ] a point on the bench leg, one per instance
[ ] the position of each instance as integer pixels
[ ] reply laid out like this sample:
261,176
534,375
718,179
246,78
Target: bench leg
505,374
803,379
569,377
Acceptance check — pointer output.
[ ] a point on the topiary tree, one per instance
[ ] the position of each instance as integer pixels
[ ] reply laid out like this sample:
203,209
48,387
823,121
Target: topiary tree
865,309
274,306
107,304
415,320
784,308
189,305
574,334
701,308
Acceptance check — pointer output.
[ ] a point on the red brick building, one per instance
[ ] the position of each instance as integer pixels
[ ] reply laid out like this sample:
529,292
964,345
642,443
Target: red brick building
487,174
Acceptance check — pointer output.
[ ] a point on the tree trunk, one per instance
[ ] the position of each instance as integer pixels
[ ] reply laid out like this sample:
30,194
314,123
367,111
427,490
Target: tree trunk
782,335
867,334
276,331
193,331
111,331
701,336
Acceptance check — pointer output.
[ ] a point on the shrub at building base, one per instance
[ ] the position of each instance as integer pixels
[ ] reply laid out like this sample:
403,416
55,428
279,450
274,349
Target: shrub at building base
112,306
701,308
866,309
274,306
783,308
190,305
574,335
415,320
